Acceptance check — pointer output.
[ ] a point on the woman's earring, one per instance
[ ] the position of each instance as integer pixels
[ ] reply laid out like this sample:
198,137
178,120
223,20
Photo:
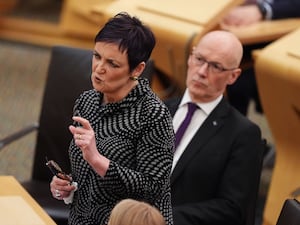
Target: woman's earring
134,78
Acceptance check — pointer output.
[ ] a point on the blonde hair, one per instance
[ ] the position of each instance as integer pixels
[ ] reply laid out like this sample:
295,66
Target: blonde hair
132,212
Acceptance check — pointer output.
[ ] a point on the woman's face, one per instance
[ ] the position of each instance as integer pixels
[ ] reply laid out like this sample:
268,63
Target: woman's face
110,72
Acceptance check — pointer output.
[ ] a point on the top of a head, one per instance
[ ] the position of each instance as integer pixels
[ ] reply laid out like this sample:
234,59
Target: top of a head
224,41
131,35
132,212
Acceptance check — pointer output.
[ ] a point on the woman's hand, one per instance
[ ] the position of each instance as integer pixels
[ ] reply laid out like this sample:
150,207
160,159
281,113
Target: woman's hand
60,188
84,137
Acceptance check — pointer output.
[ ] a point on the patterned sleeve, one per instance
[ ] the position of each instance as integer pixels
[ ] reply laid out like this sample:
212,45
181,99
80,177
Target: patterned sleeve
149,180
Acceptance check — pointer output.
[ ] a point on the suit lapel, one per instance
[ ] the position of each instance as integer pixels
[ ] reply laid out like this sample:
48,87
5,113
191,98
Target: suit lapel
172,105
207,130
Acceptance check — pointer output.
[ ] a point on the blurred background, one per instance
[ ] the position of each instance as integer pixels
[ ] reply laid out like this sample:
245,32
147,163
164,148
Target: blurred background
23,72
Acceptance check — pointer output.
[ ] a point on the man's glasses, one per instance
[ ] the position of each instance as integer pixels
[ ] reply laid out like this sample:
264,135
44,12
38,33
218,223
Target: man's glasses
213,67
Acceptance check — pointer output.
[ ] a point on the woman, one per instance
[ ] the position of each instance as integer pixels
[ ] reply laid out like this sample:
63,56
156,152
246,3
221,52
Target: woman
122,132
132,212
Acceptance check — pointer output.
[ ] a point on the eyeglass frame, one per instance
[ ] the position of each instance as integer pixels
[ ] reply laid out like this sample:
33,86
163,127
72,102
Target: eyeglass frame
214,67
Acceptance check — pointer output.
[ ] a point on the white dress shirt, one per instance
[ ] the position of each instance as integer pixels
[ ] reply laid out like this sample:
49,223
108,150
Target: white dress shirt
204,109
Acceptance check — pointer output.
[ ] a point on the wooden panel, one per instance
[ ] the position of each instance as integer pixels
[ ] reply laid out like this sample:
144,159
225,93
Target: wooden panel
78,20
39,33
278,78
11,187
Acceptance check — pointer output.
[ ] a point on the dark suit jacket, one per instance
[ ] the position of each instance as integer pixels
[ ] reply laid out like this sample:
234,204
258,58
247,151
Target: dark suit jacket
215,182
285,9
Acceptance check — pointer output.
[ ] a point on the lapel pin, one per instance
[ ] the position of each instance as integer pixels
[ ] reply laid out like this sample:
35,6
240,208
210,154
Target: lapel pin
215,123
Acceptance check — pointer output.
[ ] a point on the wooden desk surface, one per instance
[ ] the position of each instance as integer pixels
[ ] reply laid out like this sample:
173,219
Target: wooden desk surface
9,186
150,17
200,12
265,31
183,16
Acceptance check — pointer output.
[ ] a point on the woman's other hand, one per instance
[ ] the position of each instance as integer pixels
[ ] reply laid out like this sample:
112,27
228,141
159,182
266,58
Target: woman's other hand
60,188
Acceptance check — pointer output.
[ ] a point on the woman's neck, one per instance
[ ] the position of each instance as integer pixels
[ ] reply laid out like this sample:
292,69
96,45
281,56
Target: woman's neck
120,95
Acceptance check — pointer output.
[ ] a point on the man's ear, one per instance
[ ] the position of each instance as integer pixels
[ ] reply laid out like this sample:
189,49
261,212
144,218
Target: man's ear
234,76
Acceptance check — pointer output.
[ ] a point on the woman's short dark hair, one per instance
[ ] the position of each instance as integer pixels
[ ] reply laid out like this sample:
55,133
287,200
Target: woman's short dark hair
131,35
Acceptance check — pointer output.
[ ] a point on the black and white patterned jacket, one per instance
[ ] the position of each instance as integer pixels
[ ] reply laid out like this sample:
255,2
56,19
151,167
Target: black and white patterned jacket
136,134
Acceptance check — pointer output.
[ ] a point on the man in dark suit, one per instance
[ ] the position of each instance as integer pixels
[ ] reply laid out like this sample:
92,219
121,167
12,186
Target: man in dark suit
217,164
